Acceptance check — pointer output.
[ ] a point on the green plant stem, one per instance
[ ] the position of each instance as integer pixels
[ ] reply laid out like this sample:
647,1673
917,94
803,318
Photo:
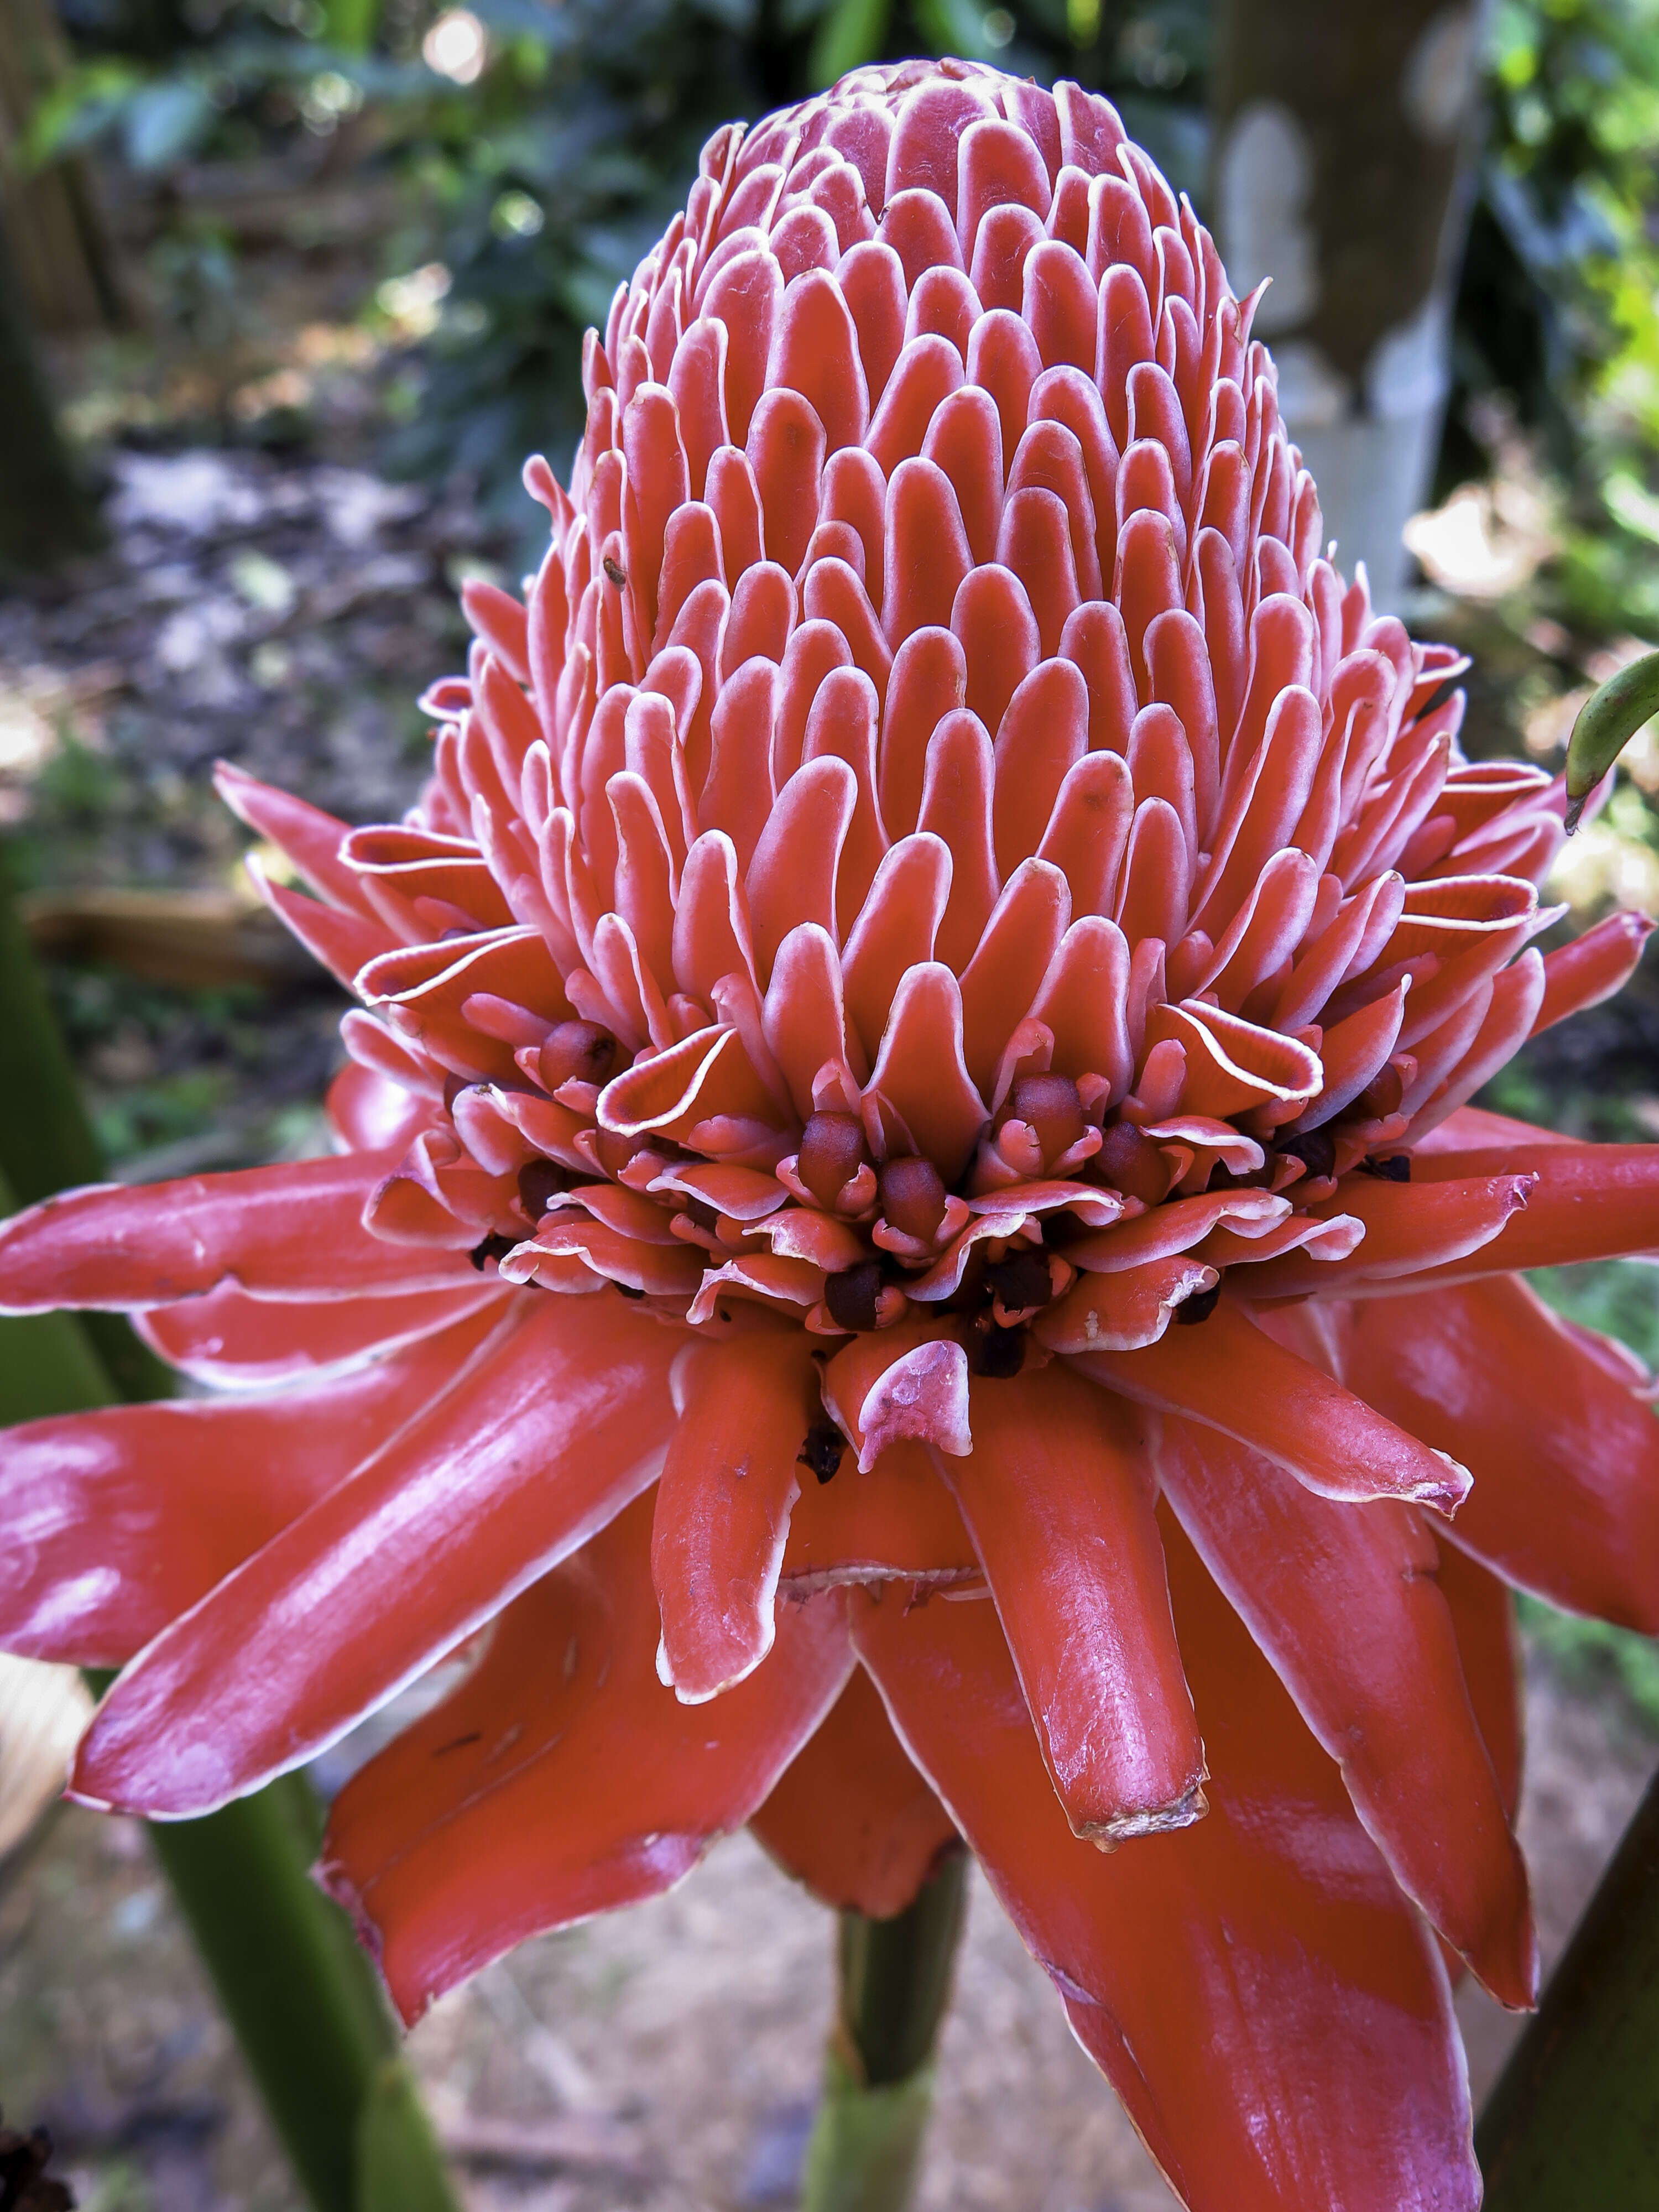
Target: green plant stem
312,2026
47,1362
894,1987
1606,722
47,1142
1574,2120
304,2001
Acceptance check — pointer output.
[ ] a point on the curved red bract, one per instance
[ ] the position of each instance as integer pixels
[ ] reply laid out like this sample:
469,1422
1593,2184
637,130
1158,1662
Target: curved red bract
936,979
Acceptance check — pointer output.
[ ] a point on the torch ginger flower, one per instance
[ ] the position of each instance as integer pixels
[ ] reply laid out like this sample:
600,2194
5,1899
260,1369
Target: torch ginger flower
908,1238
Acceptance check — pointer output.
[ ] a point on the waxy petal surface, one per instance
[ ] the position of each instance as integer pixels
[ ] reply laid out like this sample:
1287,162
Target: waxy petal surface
556,1424
1589,1202
1565,1459
1240,1982
1229,1375
1057,1496
114,1523
228,1338
294,1231
1345,1604
561,1780
731,1477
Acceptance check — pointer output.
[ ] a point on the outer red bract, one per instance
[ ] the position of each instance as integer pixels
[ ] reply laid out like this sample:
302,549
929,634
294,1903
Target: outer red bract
941,884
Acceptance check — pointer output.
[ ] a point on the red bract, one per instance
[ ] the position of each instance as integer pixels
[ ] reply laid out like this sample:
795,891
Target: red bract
942,884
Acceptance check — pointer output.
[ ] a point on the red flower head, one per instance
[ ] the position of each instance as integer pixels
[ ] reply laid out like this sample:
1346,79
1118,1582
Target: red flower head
915,1048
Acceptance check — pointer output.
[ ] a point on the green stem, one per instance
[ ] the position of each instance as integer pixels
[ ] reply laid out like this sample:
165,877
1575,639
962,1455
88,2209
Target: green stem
895,1983
47,1141
47,1364
312,2027
305,2002
1574,2120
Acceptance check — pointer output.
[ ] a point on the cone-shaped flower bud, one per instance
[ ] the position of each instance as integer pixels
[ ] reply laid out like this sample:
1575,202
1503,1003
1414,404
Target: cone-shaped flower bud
921,1034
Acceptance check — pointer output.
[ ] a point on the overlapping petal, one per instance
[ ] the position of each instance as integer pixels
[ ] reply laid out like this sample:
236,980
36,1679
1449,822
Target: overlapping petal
291,1231
1058,1494
1346,1607
731,1475
1564,1453
851,1817
1234,1377
114,1523
559,1779
554,1424
1267,1947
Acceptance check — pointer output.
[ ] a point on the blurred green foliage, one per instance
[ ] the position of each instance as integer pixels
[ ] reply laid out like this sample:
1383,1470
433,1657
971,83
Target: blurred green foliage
1620,1299
1559,305
541,145
227,85
587,123
1617,1297
1593,1654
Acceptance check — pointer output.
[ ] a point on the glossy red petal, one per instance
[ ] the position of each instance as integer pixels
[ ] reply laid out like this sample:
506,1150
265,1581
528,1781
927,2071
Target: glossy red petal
907,1384
225,1337
114,1523
1345,1605
369,1112
731,1474
310,838
1592,968
1263,1998
556,1423
561,1779
1590,1202
1411,1229
1226,1373
899,1521
1489,1644
343,943
291,1230
1058,1496
1565,1456
851,1817
1123,1310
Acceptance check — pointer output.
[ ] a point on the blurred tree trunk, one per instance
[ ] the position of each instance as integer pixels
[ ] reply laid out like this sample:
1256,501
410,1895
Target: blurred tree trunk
61,252
1343,168
47,511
